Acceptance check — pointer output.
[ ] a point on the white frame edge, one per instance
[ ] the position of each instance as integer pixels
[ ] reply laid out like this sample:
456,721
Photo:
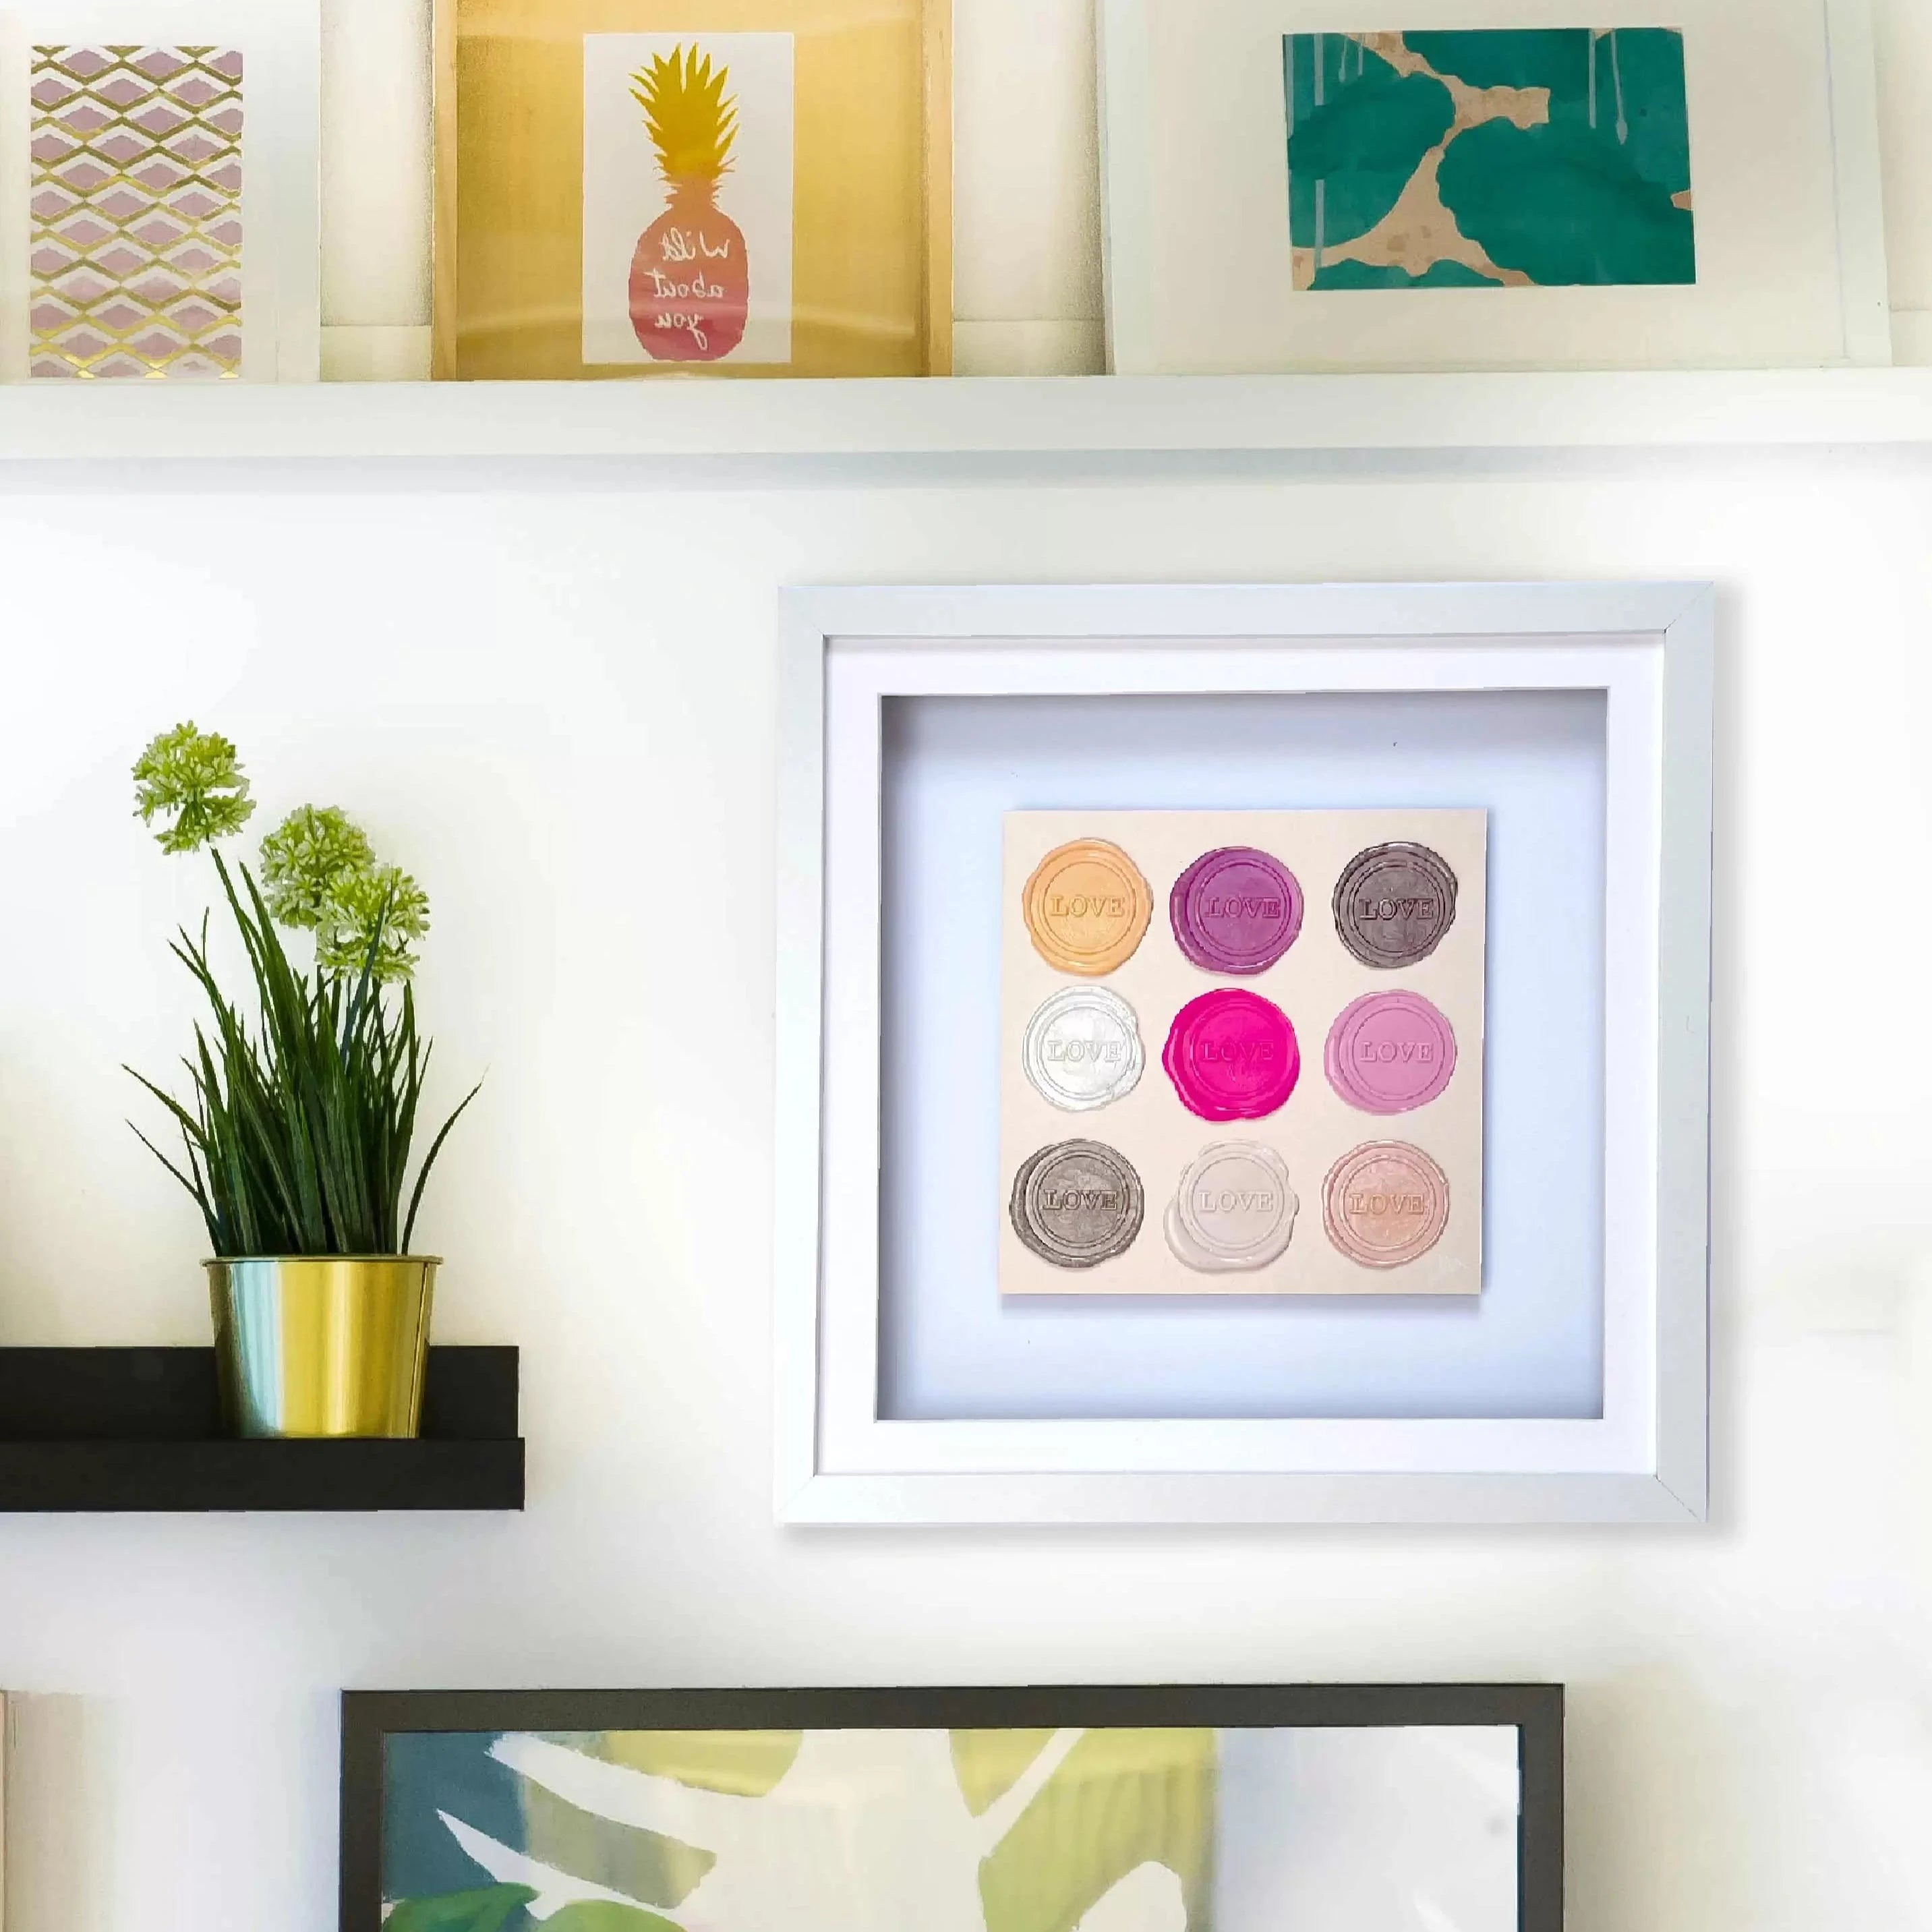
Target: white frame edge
1680,617
7,1710
1864,293
1124,102
1684,866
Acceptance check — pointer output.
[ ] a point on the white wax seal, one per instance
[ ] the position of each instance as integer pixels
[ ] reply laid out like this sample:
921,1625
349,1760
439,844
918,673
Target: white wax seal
1082,1048
1233,1209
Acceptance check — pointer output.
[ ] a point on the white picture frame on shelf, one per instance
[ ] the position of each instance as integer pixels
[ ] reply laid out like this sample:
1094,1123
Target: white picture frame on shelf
856,1442
279,88
1784,197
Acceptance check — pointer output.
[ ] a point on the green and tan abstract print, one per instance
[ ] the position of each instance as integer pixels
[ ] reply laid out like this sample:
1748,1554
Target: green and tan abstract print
1489,158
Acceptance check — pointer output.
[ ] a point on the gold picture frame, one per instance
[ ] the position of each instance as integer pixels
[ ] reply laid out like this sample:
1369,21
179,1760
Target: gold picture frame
862,88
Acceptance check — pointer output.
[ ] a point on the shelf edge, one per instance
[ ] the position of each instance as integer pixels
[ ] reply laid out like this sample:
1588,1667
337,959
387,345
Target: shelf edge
1006,417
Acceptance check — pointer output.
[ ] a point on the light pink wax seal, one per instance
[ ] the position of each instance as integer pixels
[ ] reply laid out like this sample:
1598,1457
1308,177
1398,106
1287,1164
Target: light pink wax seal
1231,1055
1385,1203
1388,1052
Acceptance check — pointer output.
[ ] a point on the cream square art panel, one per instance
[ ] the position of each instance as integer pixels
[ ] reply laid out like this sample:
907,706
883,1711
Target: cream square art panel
1241,1052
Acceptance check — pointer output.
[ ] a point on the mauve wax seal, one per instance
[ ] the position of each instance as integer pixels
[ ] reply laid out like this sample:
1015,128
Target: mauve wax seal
1231,1055
1236,909
1388,1053
1393,903
1385,1203
1077,1204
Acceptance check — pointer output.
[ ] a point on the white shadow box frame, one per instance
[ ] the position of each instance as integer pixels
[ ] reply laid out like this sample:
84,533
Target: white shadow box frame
1783,98
851,1450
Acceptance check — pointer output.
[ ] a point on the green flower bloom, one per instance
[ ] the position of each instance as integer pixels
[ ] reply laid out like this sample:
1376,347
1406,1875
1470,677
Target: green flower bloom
195,777
306,858
379,907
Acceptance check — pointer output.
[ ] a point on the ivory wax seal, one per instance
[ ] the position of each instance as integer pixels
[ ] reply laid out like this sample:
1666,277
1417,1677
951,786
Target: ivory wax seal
1233,1209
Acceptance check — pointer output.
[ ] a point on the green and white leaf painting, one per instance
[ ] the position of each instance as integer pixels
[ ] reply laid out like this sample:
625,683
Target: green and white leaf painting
1121,1799
822,1831
1320,1829
487,1908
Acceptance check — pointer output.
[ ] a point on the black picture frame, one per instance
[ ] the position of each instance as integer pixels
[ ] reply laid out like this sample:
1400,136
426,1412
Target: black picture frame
1534,1710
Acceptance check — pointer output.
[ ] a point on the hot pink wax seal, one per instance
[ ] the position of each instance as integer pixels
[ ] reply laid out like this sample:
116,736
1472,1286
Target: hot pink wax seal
1389,1052
1231,1055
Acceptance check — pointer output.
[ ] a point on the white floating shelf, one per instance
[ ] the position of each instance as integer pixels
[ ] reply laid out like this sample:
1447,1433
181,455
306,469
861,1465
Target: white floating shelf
1092,416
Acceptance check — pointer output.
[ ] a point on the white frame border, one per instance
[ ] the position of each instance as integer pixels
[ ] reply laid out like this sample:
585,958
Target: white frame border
1649,646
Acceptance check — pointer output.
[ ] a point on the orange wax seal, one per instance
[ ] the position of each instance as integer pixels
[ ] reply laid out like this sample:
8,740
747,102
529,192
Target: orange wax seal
1385,1203
1087,907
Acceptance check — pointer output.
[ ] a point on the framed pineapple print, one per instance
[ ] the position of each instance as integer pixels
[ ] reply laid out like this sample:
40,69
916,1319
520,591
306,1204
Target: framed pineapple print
732,188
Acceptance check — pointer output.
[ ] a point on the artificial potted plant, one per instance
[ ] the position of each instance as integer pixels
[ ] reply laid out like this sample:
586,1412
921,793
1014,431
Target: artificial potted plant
296,1136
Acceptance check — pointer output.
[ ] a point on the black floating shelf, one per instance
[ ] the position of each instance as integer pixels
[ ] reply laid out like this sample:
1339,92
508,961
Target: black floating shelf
140,1428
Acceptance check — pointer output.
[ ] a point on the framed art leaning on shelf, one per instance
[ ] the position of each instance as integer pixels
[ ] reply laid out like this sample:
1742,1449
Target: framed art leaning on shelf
1243,1053
158,182
626,187
1169,1808
1490,187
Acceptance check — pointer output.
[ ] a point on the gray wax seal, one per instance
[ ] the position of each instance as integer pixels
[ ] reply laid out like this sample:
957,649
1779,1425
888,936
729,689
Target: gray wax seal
1393,903
1082,1048
1077,1203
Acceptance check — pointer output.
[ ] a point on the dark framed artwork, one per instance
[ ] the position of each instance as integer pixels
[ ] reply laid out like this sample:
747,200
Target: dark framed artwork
1183,1808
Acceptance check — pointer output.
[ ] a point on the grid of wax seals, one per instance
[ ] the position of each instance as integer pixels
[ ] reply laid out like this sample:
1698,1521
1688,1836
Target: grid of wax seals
1233,1058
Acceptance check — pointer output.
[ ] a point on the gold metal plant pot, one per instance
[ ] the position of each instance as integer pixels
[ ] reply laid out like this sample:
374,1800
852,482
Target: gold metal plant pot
328,1346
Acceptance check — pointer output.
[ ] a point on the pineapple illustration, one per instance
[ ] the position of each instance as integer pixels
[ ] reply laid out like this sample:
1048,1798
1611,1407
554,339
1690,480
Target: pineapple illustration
690,286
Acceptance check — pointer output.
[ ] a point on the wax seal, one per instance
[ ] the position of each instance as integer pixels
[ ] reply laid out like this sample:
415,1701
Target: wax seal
1385,1204
1236,909
1231,1055
1389,1052
1087,907
1233,1210
1082,1048
1393,903
1076,1204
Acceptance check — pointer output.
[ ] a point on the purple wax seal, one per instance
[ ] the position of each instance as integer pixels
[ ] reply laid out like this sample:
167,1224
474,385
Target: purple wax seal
1235,910
1388,1052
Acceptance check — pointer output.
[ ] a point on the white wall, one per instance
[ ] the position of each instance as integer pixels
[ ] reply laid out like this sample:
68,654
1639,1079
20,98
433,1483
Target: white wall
553,699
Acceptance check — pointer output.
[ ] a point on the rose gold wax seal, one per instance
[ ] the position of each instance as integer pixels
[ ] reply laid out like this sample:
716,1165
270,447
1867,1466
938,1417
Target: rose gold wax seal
1385,1204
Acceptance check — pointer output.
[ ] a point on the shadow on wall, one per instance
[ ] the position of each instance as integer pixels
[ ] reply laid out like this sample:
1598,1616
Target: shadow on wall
58,1763
1658,1833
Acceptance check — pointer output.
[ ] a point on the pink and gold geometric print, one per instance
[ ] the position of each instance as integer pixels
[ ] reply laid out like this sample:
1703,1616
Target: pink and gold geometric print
136,251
